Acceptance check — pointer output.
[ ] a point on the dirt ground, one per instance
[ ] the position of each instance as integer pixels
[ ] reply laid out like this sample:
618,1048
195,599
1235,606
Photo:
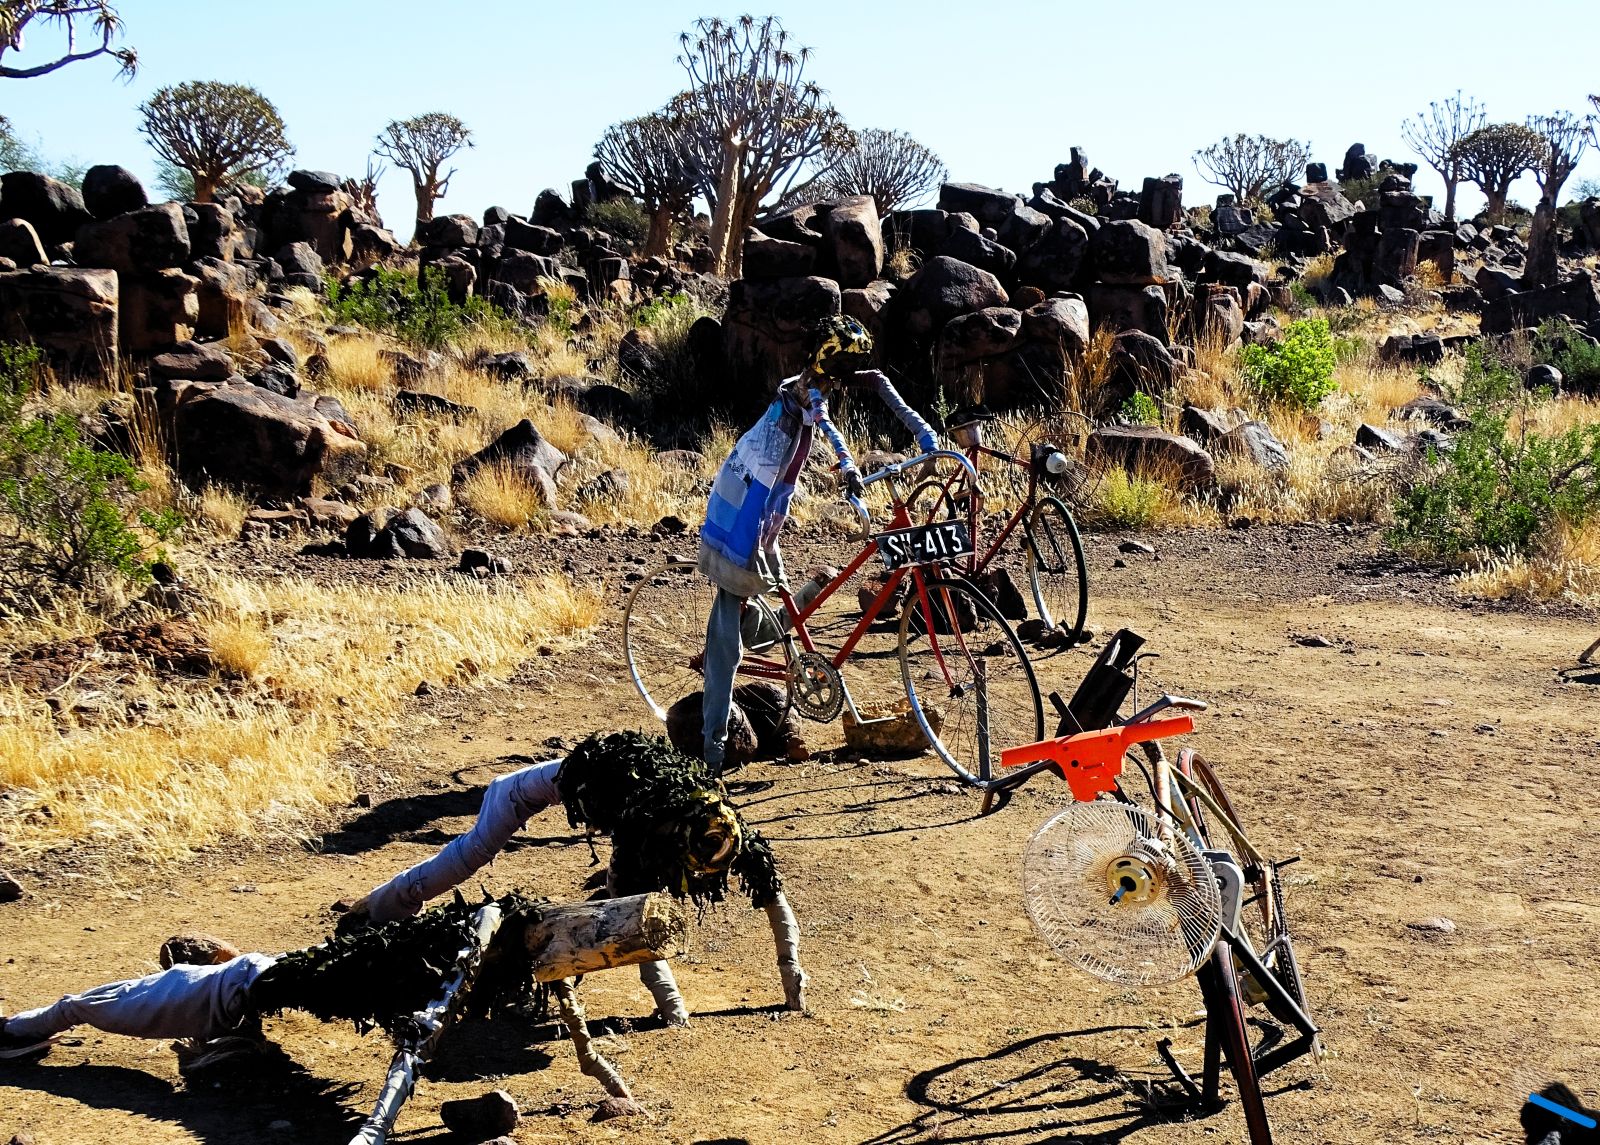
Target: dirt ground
1430,764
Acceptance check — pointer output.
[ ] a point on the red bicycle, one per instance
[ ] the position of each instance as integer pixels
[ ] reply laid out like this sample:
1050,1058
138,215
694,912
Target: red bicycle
964,671
1041,522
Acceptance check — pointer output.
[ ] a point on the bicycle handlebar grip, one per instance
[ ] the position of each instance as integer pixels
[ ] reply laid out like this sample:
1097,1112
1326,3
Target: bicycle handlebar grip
861,511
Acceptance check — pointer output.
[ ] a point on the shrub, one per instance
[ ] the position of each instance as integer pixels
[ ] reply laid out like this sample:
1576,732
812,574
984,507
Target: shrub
1129,501
1141,409
624,218
417,310
66,508
1298,369
1501,488
1561,345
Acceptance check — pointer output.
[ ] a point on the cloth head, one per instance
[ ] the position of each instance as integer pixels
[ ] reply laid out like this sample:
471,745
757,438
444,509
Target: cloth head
842,347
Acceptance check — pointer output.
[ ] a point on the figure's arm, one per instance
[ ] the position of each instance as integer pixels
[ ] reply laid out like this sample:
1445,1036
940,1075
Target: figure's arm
508,803
884,388
817,415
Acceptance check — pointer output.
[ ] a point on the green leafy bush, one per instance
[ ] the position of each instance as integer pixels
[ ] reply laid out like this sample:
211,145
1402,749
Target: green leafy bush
1298,369
1501,487
417,310
1141,409
66,508
1563,346
624,218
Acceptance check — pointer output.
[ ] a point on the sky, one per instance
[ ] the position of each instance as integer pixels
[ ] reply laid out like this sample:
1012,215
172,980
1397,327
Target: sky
1000,91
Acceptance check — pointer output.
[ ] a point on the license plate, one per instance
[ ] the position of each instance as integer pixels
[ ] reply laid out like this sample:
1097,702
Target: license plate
924,544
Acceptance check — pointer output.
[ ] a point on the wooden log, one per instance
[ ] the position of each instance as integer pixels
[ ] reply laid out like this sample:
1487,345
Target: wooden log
580,938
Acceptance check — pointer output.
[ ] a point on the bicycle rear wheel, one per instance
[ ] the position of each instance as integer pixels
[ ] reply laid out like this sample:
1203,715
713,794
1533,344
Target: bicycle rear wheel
664,635
967,676
1057,571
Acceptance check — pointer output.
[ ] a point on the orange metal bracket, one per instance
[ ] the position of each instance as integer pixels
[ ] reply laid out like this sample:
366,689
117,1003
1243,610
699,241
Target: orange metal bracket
1090,762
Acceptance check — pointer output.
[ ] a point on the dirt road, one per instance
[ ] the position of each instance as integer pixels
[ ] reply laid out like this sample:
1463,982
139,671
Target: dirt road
1429,765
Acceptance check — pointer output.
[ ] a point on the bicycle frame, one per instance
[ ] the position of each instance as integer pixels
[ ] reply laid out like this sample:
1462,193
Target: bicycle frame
981,558
778,671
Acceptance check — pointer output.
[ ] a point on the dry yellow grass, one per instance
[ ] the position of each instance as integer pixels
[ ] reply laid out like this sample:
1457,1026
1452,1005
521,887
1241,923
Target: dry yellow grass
355,364
504,497
215,761
1566,567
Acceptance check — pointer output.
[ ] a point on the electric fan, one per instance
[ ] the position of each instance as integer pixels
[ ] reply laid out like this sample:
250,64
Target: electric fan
1120,896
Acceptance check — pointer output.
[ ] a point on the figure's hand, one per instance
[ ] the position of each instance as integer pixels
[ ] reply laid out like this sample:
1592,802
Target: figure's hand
853,483
927,442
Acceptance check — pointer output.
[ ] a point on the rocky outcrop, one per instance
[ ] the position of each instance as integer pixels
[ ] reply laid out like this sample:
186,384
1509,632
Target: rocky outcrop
71,314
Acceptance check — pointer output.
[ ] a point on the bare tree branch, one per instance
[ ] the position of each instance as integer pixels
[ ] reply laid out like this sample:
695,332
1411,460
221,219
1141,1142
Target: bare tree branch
1435,134
100,15
1249,164
421,145
218,132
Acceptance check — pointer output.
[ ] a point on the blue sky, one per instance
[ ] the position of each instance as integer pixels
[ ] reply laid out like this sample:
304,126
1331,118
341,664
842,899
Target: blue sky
1000,90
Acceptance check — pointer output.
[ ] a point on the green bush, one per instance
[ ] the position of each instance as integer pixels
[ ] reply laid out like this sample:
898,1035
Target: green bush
1298,369
1501,487
1141,409
1563,346
66,508
624,218
417,310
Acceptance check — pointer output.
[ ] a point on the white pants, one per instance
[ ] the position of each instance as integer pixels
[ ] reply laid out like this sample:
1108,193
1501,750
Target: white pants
183,1002
508,802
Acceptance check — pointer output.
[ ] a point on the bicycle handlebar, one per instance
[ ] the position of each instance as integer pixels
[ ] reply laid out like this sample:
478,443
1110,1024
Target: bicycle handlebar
901,466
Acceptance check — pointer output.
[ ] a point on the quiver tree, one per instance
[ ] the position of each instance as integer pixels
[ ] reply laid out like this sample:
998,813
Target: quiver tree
1435,135
99,18
218,132
1248,164
748,123
1565,136
1496,156
643,156
422,145
890,166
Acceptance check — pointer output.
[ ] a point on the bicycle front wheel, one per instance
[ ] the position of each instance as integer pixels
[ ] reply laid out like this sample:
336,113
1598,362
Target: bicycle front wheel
967,676
1057,571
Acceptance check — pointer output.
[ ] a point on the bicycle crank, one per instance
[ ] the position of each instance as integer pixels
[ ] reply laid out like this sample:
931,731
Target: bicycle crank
816,689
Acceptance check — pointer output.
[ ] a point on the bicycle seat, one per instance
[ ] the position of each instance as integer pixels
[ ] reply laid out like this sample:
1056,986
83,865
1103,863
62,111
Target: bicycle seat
969,415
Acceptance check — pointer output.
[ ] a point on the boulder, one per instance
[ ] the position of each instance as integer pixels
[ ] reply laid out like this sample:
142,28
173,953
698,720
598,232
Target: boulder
192,362
1378,440
251,437
136,243
1577,299
1023,228
867,304
768,328
72,315
109,191
55,209
1142,308
450,232
532,238
278,378
159,309
321,219
1062,322
1254,441
1054,262
1233,269
1543,377
976,250
982,334
766,258
853,241
413,534
215,233
1203,425
314,182
224,296
1358,164
944,289
522,448
1218,313
525,272
1129,253
20,243
551,210
1154,453
800,225
494,1114
1139,362
990,207
301,258
1161,202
